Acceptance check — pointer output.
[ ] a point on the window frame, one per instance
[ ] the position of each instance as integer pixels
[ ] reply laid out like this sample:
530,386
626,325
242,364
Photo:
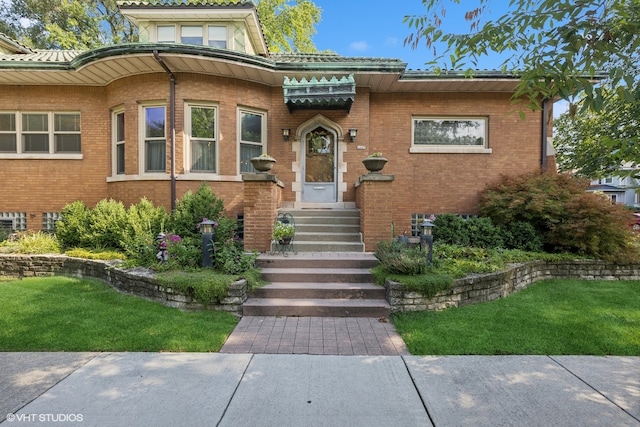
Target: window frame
450,148
50,132
205,34
173,26
188,159
115,142
142,138
263,135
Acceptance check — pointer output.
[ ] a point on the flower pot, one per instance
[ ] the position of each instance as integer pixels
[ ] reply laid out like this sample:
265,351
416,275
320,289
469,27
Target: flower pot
285,240
263,164
374,164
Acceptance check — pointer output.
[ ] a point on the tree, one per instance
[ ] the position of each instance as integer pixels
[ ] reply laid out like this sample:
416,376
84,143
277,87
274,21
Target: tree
289,27
562,48
598,144
70,24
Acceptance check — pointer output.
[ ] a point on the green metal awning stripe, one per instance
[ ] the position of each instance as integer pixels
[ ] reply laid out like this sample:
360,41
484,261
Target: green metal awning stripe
324,94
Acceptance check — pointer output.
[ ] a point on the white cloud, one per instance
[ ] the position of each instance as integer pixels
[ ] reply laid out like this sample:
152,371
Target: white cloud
359,46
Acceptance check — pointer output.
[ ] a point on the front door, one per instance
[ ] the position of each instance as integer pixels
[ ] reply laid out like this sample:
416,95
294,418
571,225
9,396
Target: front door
319,169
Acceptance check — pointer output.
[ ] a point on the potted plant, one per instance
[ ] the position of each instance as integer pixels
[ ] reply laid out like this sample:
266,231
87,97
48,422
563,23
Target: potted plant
263,163
374,162
283,233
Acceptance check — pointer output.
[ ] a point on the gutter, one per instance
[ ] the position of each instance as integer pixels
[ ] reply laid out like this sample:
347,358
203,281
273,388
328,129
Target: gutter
172,124
544,130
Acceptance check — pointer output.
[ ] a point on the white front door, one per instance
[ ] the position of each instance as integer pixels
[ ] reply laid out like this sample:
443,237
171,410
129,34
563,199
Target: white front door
319,168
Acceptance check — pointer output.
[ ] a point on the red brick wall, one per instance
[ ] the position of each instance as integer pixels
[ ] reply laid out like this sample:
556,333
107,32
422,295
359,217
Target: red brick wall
36,186
424,183
439,183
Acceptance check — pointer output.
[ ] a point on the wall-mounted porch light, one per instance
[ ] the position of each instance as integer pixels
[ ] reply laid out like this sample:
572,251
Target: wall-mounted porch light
352,134
285,133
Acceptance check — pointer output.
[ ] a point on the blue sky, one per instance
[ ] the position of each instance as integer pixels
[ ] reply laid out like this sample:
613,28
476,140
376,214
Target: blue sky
374,28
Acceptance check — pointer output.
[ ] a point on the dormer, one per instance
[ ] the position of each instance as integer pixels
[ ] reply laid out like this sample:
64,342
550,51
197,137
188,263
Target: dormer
225,26
10,46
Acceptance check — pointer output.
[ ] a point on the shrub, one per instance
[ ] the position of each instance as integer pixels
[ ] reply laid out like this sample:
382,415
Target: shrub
230,258
73,224
560,210
192,208
107,226
475,231
144,222
396,257
450,229
521,235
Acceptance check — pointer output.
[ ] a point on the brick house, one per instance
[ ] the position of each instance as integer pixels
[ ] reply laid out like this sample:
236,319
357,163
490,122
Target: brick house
200,95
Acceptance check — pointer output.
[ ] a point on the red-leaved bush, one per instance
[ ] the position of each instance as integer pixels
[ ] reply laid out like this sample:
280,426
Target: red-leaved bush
569,218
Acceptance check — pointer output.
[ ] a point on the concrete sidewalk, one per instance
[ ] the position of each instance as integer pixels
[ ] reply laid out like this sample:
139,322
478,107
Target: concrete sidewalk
171,389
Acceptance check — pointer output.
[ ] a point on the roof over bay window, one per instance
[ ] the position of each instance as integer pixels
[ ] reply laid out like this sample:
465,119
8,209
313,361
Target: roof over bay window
324,94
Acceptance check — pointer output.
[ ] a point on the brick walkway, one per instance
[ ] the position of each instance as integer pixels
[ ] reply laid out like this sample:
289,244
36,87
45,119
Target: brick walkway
315,335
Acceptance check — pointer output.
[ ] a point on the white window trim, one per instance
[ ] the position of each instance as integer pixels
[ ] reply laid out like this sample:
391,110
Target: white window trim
205,31
142,155
187,140
115,142
167,26
450,149
28,155
264,145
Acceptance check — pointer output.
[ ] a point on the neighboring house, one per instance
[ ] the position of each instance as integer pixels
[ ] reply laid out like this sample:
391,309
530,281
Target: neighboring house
622,190
200,95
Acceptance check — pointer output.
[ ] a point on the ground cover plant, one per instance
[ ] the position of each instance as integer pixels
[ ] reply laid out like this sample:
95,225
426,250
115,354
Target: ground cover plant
568,317
69,314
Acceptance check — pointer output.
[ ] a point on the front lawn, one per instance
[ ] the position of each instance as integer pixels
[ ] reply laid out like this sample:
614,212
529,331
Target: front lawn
67,314
568,317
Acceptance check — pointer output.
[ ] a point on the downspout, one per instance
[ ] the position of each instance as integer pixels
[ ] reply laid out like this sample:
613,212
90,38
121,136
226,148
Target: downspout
545,129
172,124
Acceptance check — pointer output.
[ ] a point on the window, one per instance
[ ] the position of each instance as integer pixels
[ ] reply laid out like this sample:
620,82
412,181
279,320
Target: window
191,34
217,37
166,34
155,142
252,137
32,133
49,220
35,133
13,221
117,137
449,134
66,131
203,137
8,133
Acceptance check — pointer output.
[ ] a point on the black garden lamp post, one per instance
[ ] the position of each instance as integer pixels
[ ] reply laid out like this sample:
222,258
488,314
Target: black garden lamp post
426,239
206,228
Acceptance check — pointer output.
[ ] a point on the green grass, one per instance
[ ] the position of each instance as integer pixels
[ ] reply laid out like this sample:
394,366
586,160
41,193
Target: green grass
67,314
552,317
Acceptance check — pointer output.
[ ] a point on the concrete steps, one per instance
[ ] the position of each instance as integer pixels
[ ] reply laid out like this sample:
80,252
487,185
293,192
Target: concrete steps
326,230
318,284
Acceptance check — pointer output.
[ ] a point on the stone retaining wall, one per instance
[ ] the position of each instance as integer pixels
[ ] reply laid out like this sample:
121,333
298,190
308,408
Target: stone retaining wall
487,287
137,281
